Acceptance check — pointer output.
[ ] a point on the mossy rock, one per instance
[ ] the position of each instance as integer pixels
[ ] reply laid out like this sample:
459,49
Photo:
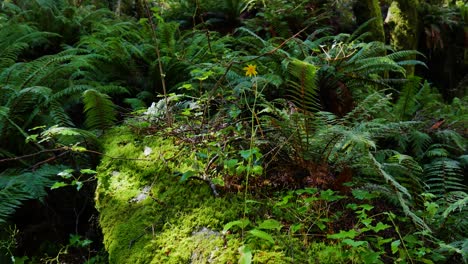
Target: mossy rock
148,215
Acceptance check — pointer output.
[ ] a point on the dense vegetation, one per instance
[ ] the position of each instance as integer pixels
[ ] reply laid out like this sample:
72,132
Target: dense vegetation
350,126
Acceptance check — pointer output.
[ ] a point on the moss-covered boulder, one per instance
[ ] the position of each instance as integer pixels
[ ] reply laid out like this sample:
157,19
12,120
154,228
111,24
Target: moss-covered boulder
148,216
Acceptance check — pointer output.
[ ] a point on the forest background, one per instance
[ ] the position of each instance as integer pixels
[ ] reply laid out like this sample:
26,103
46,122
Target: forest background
349,118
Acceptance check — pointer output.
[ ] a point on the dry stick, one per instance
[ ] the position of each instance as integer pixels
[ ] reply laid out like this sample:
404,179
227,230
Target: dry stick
49,159
31,155
67,150
158,54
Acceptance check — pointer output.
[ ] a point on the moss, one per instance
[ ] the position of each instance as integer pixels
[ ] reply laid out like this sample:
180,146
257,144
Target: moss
161,228
368,9
148,216
405,26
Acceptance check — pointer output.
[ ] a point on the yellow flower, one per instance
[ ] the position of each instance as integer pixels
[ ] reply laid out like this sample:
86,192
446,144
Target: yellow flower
250,70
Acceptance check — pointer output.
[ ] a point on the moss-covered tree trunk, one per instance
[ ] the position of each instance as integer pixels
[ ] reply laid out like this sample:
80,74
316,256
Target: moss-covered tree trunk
369,9
403,19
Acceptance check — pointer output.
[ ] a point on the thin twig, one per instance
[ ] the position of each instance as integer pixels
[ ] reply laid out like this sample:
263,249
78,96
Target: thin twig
32,155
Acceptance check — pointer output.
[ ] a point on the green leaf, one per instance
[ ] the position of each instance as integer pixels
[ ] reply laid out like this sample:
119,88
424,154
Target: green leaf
363,195
262,234
295,227
78,149
329,195
78,184
371,257
246,154
257,170
187,175
88,171
395,245
66,174
246,255
366,207
242,223
380,226
353,243
230,163
270,224
344,234
58,185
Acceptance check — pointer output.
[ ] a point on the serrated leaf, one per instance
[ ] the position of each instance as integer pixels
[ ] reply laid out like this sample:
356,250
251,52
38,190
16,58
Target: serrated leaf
58,185
88,171
366,207
262,234
230,163
380,226
344,234
329,195
257,170
66,174
353,243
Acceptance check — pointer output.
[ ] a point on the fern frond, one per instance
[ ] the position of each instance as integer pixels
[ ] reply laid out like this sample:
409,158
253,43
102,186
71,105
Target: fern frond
407,103
16,187
304,92
99,109
166,34
452,138
400,191
444,175
420,142
68,136
457,201
58,114
71,91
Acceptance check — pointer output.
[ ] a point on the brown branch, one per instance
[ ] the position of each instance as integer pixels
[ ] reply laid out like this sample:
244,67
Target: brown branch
34,167
33,154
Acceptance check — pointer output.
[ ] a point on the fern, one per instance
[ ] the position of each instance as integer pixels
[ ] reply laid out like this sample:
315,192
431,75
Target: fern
304,92
18,186
99,109
401,192
69,136
444,175
457,202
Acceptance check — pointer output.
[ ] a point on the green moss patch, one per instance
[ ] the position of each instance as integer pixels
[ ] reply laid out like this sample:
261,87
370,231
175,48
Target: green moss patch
148,215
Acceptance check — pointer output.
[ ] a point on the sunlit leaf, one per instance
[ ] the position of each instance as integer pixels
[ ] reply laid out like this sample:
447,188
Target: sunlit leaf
262,234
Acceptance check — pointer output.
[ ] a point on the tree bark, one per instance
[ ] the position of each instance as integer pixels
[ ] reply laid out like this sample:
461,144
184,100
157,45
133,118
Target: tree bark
403,19
368,9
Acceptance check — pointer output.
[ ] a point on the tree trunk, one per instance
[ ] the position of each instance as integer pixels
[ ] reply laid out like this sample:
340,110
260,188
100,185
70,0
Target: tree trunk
403,19
368,9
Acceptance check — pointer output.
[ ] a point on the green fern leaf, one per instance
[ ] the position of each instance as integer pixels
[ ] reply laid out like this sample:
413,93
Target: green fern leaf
304,92
99,109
